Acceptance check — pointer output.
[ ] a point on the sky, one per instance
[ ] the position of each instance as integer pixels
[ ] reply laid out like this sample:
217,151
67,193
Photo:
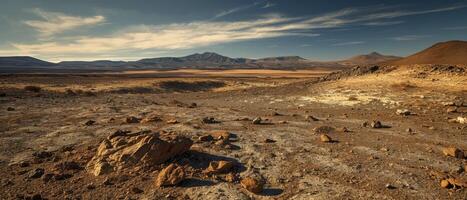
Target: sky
57,30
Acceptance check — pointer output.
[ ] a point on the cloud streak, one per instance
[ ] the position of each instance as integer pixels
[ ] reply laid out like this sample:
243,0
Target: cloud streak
409,37
348,43
54,22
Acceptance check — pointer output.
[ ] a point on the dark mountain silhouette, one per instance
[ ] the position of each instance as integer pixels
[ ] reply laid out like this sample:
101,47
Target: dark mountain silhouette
23,61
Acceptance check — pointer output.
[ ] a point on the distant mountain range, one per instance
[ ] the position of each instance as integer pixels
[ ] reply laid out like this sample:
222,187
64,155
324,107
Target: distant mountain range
207,60
451,52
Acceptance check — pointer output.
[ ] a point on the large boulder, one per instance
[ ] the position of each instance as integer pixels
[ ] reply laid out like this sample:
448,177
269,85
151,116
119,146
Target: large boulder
124,149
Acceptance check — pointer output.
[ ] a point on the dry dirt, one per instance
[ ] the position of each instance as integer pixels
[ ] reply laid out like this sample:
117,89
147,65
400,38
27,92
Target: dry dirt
49,129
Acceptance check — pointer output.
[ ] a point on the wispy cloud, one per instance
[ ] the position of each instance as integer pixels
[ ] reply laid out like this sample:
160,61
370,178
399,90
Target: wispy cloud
235,10
54,22
269,4
349,43
409,37
306,45
175,36
383,23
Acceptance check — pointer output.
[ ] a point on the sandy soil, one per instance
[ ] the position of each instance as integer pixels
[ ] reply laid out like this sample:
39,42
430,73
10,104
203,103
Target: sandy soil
364,163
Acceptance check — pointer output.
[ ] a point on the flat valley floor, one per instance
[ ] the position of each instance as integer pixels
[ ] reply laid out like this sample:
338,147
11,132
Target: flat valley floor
401,160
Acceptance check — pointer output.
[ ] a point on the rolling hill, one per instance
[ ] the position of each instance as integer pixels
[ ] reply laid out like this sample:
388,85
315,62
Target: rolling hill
450,52
368,59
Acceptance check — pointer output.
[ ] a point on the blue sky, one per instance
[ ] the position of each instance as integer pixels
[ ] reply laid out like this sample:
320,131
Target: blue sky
57,30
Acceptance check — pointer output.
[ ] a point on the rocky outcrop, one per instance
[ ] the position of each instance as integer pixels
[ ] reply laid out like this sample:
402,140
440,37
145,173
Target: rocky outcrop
123,149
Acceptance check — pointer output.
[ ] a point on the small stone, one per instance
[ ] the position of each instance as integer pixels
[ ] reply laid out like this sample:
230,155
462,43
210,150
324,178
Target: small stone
257,120
36,173
218,167
132,120
364,124
343,129
209,120
408,130
451,110
89,122
193,105
136,190
404,112
169,176
205,138
10,109
253,185
107,181
445,184
172,121
24,164
269,140
151,118
221,135
461,120
311,118
323,130
376,124
47,177
453,152
59,177
325,138
90,186
231,178
389,186
42,154
36,197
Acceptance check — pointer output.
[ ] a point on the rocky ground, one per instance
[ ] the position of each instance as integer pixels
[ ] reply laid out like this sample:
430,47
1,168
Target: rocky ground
385,133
